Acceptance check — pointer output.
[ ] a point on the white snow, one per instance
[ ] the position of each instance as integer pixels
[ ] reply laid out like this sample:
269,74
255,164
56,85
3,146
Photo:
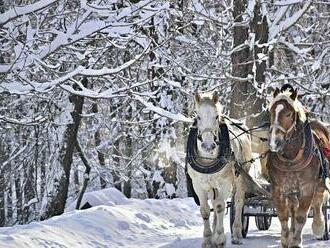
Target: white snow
123,222
20,11
287,23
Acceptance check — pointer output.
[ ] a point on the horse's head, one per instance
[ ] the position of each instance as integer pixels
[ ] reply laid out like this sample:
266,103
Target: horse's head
207,120
286,112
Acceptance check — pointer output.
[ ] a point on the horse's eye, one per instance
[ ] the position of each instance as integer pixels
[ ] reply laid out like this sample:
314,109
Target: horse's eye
217,117
198,118
289,114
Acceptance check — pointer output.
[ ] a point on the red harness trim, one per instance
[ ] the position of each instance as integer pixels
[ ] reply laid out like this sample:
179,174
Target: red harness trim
326,151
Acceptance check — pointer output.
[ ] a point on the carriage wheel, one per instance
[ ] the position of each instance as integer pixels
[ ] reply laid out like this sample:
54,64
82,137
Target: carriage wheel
263,222
245,220
326,214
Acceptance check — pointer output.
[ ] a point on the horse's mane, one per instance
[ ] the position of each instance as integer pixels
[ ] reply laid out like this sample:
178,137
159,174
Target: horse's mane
296,104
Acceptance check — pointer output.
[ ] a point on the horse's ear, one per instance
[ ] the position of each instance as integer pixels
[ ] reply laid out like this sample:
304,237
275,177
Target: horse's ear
197,97
215,97
294,95
276,92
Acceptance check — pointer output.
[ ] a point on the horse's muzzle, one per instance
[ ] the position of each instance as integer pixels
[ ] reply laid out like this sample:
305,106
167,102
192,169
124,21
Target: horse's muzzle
275,145
208,146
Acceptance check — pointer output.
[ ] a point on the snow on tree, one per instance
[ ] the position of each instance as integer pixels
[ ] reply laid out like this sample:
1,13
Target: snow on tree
118,76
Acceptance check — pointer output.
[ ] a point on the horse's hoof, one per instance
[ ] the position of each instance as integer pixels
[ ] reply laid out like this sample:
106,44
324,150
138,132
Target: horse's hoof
318,229
221,245
236,241
295,244
207,244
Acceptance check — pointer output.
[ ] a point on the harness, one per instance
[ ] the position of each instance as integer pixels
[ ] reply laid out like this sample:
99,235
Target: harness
219,163
215,165
310,148
304,155
249,131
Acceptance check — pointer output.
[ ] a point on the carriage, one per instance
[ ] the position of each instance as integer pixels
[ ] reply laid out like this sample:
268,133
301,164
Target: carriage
220,155
258,202
260,207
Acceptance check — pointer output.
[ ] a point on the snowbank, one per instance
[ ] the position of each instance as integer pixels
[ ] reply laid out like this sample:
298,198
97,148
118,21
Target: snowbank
121,223
109,197
132,223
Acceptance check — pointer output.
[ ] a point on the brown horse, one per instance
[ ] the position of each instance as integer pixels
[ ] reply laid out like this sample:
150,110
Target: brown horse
294,165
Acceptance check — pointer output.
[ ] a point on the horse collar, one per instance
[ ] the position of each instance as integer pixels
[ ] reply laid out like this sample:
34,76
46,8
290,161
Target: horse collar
304,155
216,164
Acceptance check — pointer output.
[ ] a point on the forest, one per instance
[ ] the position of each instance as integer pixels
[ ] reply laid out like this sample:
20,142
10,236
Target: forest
100,93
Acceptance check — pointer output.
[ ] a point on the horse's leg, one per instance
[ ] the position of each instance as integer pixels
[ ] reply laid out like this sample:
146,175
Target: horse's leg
293,211
283,216
215,217
219,206
239,204
318,218
264,171
301,214
300,220
205,212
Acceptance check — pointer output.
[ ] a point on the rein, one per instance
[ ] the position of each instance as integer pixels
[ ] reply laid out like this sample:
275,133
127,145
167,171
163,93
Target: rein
215,165
239,126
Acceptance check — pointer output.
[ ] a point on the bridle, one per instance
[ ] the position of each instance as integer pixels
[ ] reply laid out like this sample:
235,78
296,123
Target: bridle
214,132
208,130
287,132
306,151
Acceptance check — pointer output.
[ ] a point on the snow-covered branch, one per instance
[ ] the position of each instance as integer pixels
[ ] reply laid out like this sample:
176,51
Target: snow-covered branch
284,25
162,112
16,12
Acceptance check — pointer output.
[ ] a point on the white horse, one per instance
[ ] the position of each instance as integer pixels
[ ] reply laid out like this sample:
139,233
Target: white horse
218,186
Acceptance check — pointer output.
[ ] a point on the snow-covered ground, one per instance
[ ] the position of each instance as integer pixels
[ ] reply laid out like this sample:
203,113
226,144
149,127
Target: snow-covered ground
123,222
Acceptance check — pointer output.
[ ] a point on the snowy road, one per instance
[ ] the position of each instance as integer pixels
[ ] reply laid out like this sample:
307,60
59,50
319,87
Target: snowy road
132,223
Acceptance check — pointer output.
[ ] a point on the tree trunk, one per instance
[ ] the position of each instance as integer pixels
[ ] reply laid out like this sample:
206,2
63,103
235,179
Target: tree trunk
116,160
2,200
240,65
170,176
57,203
29,191
260,27
100,155
86,175
244,99
18,192
127,190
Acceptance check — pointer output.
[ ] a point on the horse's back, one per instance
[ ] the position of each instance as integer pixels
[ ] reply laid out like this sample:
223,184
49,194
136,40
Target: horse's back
240,142
259,140
321,130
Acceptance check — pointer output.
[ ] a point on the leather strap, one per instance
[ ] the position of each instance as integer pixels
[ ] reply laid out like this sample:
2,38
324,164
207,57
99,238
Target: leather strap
303,157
